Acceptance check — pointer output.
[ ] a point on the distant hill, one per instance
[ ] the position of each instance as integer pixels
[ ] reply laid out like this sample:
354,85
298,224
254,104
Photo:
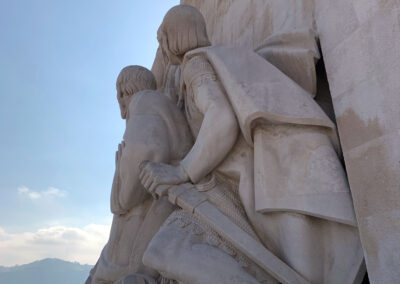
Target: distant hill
46,271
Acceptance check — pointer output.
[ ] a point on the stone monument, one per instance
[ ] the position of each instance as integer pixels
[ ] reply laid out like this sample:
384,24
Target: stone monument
137,216
233,171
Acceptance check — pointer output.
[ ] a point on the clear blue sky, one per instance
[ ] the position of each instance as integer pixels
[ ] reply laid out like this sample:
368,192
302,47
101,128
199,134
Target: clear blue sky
59,118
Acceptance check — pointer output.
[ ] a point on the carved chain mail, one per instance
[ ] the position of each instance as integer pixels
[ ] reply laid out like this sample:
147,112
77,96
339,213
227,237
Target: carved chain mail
196,72
224,195
196,67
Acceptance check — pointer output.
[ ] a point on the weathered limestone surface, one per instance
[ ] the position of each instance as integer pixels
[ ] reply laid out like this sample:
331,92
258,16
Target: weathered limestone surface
231,172
249,22
136,215
360,43
293,198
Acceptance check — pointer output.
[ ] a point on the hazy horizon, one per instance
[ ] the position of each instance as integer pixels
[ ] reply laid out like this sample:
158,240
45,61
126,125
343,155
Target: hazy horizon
45,271
44,259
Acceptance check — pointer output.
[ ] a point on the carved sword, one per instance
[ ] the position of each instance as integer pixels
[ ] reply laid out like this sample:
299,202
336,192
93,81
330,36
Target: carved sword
195,202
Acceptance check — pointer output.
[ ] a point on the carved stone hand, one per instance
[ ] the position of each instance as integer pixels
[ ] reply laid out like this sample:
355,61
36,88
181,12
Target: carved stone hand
154,174
118,154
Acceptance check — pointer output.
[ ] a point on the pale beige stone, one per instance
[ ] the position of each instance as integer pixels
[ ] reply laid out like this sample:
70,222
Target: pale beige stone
155,129
363,71
281,31
369,118
377,200
249,23
242,91
265,157
362,54
335,21
365,10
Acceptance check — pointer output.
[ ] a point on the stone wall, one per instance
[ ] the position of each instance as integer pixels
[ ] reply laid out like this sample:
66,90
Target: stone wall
360,43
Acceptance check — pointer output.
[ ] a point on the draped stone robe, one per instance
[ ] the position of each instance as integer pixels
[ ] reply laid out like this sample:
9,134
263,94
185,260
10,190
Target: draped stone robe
289,177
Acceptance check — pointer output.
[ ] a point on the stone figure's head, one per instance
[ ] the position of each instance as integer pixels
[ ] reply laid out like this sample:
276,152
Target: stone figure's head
131,80
183,29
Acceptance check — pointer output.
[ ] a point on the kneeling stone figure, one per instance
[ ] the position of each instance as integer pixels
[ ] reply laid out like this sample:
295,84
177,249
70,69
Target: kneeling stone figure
155,130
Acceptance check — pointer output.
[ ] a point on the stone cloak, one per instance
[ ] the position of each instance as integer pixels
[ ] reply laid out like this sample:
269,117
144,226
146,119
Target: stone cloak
262,96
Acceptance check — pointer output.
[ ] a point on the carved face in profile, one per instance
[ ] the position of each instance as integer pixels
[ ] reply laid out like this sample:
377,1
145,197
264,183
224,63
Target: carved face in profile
183,29
131,80
124,98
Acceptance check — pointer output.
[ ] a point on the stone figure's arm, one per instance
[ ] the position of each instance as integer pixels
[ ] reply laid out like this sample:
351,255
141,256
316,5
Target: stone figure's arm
216,137
145,139
115,205
218,131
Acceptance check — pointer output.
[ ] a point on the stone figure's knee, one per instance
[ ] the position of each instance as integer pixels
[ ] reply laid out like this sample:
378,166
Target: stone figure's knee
165,247
154,255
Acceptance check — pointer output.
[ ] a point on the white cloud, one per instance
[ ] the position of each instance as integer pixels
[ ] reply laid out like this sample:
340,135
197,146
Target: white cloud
69,243
51,192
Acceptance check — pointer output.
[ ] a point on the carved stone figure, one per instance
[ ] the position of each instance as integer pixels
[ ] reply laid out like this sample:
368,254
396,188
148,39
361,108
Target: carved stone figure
264,155
155,130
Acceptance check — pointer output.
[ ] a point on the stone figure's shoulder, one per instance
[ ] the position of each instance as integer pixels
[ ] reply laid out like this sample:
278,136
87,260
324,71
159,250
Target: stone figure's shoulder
149,95
149,99
196,66
197,62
